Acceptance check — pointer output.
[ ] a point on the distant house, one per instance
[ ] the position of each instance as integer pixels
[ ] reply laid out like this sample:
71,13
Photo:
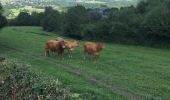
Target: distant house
103,11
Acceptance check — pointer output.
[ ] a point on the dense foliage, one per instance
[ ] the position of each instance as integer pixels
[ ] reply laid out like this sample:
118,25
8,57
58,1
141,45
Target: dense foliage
3,20
26,19
148,23
51,20
18,82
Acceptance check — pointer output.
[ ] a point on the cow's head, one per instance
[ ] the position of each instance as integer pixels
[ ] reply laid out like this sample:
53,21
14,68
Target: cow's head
62,43
101,45
77,43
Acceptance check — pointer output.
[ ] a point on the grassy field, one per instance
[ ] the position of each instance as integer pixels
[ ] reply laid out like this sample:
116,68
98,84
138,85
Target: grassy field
123,72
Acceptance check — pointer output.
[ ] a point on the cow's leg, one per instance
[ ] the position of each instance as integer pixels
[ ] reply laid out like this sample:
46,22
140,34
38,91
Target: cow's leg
59,54
62,54
69,54
53,52
96,57
47,52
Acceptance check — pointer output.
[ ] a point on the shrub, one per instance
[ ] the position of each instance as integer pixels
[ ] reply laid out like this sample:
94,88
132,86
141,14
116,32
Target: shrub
18,82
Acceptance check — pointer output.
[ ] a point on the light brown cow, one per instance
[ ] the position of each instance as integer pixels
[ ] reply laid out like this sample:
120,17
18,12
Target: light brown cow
54,46
93,49
69,45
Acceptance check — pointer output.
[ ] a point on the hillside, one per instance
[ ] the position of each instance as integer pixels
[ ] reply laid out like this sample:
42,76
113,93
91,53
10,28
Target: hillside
123,72
66,3
13,7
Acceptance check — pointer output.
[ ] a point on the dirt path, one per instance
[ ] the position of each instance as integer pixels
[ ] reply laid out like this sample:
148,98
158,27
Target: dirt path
81,73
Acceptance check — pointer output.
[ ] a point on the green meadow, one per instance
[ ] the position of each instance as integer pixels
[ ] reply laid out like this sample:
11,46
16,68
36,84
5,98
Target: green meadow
123,72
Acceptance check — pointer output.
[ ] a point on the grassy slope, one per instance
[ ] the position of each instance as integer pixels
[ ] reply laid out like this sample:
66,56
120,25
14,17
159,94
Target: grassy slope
122,72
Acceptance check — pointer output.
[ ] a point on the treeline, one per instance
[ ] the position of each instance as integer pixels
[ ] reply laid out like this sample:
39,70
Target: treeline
146,24
26,19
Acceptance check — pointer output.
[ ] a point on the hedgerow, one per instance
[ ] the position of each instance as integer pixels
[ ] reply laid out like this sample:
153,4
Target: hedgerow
19,82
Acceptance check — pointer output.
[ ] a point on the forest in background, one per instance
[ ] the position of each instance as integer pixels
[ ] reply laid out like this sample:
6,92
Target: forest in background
146,24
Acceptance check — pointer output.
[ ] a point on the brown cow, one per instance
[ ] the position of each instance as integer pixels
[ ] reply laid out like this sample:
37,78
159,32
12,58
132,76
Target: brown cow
69,45
54,46
94,49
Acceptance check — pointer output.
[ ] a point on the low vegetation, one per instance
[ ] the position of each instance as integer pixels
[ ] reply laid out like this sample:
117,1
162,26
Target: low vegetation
17,81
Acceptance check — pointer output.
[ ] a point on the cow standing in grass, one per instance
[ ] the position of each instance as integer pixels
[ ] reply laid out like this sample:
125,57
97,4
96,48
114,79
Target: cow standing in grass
93,49
54,46
69,45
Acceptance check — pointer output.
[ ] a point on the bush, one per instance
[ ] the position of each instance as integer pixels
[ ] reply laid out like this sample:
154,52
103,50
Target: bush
18,82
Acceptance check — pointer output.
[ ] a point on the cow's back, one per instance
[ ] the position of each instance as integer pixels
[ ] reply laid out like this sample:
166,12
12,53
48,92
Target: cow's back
89,43
52,45
71,44
90,47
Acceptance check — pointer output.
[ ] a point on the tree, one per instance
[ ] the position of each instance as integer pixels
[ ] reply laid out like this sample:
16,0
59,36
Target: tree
36,18
3,20
142,7
157,21
24,19
149,20
74,20
52,20
94,16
